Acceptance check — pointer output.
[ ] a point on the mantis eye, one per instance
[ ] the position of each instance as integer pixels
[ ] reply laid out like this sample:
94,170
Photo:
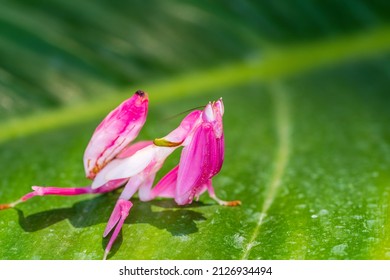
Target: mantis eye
220,106
209,113
140,93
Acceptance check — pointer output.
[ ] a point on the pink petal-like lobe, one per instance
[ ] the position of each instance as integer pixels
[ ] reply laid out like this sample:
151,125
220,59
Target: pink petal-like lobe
166,187
115,132
202,156
201,134
198,163
132,149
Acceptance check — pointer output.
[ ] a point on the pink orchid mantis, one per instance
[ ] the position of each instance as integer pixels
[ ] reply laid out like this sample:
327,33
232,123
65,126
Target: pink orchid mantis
117,130
201,159
111,162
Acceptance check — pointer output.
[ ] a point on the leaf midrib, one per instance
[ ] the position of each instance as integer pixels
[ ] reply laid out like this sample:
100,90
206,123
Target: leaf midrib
272,65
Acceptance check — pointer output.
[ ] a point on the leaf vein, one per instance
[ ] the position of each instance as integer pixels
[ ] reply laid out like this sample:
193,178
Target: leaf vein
282,116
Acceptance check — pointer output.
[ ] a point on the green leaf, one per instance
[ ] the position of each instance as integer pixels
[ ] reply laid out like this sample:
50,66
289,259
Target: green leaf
307,145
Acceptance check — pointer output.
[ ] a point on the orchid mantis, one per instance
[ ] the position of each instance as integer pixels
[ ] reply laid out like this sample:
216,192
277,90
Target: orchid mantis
110,161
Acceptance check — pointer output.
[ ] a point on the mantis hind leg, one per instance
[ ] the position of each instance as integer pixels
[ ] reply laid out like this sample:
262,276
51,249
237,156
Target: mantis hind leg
43,191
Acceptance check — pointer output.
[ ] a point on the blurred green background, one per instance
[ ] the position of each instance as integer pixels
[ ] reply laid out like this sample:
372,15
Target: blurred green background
305,85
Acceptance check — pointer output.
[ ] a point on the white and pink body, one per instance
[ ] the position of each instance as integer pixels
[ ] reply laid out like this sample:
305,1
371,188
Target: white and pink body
111,162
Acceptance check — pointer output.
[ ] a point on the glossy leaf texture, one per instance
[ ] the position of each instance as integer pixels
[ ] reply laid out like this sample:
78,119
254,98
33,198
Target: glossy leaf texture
307,145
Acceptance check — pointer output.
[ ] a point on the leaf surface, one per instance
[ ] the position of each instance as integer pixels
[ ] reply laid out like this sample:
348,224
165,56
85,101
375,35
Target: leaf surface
306,125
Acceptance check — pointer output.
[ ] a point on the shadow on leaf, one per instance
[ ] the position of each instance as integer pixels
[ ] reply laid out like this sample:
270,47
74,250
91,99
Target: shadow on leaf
162,214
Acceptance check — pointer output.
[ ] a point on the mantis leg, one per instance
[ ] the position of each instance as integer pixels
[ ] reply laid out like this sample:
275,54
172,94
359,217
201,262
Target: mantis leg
118,217
43,191
121,211
220,201
123,206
